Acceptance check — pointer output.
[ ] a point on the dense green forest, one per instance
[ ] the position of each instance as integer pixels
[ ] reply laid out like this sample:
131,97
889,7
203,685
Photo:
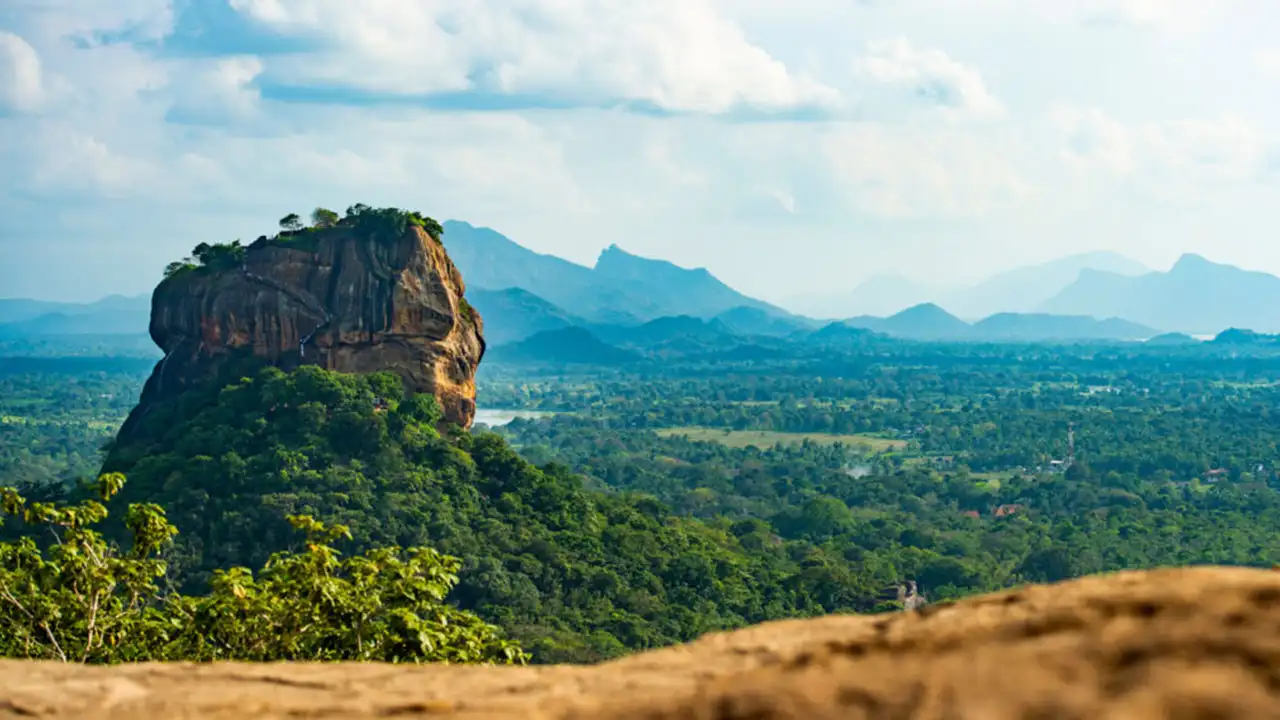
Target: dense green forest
667,500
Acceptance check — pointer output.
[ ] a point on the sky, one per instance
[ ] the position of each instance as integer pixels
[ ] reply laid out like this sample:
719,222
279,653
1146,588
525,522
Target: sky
789,146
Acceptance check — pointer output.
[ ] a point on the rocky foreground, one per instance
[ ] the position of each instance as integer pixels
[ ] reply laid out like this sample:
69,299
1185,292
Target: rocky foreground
1190,643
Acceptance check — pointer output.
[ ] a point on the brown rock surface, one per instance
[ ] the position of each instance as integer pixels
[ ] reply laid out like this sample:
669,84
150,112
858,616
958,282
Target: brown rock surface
1192,643
338,300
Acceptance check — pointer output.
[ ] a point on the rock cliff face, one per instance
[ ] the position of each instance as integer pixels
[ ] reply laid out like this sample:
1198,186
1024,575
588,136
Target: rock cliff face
336,298
1189,643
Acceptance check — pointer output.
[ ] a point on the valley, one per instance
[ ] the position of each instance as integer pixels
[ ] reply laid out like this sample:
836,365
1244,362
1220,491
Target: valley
611,487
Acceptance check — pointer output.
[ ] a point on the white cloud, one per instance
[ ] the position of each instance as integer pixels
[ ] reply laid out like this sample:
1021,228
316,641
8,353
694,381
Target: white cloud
678,55
1092,140
931,75
70,161
1225,148
86,19
1169,15
218,91
912,172
21,87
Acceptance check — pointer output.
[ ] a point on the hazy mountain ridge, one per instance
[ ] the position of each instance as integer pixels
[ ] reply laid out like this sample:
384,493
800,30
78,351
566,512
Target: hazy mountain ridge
1196,296
114,314
622,288
1020,290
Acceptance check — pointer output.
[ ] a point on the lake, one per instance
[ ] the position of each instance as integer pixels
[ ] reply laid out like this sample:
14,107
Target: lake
497,418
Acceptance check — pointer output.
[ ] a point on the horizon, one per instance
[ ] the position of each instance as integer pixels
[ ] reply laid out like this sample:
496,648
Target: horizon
785,147
783,304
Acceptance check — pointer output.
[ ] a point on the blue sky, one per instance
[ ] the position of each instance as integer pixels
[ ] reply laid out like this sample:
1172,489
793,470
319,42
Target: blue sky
789,146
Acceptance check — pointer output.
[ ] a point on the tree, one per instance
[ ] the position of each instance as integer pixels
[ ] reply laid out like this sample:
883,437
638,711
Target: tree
324,218
291,222
83,600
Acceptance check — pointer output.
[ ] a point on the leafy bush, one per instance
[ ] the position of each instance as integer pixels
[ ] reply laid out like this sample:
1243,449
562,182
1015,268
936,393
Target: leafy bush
384,224
82,600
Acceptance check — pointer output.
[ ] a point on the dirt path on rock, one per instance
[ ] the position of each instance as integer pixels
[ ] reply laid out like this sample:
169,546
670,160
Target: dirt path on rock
1191,643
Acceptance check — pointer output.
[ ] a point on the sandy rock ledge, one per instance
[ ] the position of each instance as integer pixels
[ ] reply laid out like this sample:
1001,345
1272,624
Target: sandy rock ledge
1187,643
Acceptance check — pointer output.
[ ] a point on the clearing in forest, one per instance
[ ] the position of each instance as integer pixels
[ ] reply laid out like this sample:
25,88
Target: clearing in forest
767,438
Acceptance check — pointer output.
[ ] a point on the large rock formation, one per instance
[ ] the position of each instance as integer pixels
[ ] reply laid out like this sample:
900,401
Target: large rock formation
1193,643
343,298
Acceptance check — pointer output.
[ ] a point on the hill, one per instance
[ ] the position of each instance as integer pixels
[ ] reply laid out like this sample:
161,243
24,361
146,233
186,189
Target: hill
571,345
1236,336
113,315
922,322
1040,327
621,289
1196,296
748,321
1025,289
1172,339
514,314
879,295
1021,290
573,574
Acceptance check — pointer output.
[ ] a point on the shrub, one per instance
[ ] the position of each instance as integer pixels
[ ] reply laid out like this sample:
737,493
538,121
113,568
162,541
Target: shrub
82,600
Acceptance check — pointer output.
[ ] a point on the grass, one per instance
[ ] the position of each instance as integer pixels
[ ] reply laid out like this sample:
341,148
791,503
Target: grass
91,424
767,438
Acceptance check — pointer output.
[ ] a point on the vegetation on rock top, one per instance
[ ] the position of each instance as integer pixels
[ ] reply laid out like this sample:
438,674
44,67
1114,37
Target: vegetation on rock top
384,224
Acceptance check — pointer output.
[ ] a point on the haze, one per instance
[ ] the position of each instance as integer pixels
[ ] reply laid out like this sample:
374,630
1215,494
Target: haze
789,147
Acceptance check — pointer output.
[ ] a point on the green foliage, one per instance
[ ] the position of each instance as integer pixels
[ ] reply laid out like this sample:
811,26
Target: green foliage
380,224
389,223
56,413
570,573
291,223
82,600
467,311
324,218
218,256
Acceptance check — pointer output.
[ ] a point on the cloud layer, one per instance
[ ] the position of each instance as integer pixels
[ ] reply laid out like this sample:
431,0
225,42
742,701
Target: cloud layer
861,137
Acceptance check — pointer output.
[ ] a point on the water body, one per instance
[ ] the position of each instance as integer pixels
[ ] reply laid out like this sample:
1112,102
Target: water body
498,418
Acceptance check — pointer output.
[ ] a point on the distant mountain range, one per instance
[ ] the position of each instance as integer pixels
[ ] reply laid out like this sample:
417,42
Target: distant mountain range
630,302
621,289
715,339
1021,290
112,315
1196,296
931,322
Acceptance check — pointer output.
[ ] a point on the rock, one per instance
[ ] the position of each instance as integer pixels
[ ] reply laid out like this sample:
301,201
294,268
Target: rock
1190,643
339,298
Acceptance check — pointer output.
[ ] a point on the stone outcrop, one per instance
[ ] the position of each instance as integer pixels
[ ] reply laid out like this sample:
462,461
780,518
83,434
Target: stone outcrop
333,298
1190,643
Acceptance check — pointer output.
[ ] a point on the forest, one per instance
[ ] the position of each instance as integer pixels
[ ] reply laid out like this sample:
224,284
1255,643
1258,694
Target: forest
654,504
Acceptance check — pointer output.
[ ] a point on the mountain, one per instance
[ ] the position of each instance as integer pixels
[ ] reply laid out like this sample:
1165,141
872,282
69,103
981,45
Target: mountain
572,345
621,289
748,321
878,295
1025,289
1020,290
14,310
1196,296
1039,327
1173,339
1236,336
843,336
513,314
921,322
112,315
